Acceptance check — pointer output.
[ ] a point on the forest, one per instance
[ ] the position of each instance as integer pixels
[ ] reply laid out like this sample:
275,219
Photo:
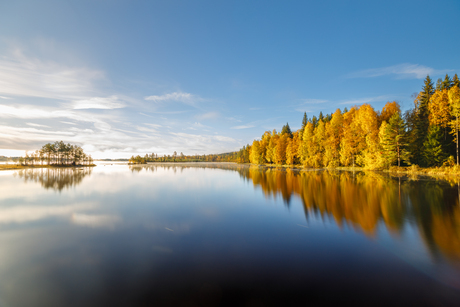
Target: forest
425,135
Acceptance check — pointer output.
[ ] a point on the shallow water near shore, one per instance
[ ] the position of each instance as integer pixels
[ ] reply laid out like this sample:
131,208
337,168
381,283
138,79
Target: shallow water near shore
225,234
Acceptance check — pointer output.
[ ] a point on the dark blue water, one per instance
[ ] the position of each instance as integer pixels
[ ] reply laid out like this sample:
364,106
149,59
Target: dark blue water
226,235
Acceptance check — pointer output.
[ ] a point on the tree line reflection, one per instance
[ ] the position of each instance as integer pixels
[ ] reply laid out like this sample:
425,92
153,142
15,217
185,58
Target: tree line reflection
365,200
55,178
361,200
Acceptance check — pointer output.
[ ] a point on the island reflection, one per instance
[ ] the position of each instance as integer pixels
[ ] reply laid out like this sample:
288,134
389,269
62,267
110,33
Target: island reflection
55,178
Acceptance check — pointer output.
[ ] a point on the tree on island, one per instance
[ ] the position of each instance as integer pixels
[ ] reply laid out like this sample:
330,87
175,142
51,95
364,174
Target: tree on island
57,153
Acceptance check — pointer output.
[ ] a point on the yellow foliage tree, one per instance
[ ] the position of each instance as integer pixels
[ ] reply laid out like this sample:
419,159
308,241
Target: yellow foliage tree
293,149
367,119
334,132
353,140
318,145
280,149
306,148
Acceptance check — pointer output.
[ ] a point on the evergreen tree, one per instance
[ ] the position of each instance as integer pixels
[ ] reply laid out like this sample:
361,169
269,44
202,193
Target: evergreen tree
447,83
321,117
421,121
439,84
454,101
314,121
287,130
393,140
455,81
304,123
433,152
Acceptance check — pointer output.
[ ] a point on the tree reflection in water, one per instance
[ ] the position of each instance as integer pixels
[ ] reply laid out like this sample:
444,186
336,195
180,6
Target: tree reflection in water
55,178
362,200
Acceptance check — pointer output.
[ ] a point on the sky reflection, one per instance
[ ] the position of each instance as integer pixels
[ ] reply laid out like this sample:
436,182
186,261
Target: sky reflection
163,234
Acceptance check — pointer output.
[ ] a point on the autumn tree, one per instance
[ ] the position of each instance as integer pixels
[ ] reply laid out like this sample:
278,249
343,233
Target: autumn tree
280,149
367,119
255,155
353,140
334,131
307,147
292,149
318,145
388,111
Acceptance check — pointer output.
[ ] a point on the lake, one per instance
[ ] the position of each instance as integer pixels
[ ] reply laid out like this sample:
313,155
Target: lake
226,235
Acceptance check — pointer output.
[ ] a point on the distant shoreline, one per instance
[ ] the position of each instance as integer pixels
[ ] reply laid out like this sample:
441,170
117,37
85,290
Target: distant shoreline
6,167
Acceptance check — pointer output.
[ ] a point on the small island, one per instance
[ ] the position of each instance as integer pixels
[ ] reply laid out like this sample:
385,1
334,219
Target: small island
57,154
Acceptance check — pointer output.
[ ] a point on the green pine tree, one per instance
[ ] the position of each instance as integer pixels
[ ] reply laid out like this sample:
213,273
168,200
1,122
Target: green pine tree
447,83
421,121
393,138
439,85
286,129
433,153
455,81
321,117
304,123
314,121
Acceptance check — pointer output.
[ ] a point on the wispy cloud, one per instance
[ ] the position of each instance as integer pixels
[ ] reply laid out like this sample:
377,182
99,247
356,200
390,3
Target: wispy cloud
37,125
199,126
368,100
111,102
30,77
242,127
186,98
400,71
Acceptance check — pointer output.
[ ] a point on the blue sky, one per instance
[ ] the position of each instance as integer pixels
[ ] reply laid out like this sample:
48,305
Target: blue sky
135,77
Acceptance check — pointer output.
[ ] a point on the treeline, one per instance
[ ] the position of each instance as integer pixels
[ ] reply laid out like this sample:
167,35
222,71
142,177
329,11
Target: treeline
426,135
175,157
57,153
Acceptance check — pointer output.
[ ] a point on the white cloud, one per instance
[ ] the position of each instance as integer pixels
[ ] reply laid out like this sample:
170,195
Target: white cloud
198,125
68,123
401,71
186,98
31,77
368,100
153,125
37,125
111,102
242,127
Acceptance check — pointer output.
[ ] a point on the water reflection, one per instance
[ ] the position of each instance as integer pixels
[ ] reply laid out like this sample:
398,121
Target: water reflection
55,178
177,234
364,200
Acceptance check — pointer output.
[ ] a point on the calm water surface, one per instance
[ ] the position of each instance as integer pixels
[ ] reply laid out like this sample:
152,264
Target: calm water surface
226,235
